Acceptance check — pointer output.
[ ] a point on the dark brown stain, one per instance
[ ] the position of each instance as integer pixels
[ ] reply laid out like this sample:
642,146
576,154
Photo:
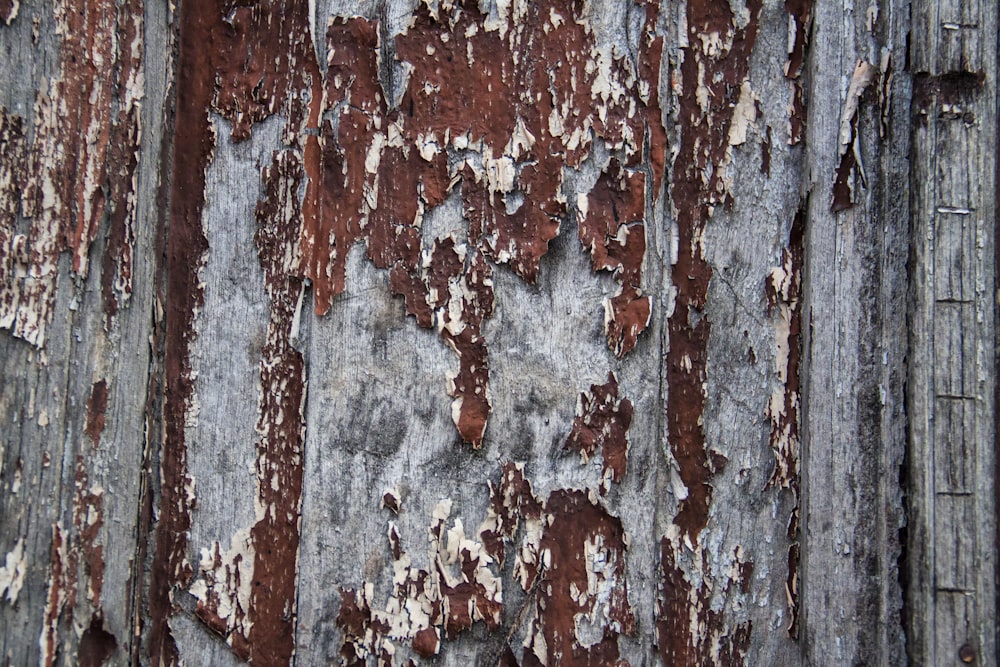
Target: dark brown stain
97,645
8,10
947,88
602,421
843,193
765,153
97,404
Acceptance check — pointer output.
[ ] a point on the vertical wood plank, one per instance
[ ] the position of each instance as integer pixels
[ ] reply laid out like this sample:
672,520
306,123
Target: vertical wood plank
854,291
952,533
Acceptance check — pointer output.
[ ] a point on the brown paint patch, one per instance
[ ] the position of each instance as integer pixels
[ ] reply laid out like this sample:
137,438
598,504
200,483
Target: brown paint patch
123,163
14,258
97,645
611,228
602,421
800,13
698,186
477,99
65,187
783,289
709,81
689,631
582,580
425,606
850,167
8,10
97,404
570,561
76,580
181,295
281,422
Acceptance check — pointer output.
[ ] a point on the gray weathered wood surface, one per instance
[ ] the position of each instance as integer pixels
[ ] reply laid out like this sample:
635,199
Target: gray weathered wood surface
849,365
953,335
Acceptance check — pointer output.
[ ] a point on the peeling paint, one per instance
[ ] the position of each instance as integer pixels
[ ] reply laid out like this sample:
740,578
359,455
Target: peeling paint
697,631
12,572
799,31
851,167
709,84
280,422
602,421
8,10
570,562
223,590
610,226
783,289
76,581
97,404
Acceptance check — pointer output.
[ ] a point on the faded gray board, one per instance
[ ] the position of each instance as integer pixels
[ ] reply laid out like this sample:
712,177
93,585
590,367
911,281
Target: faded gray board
952,533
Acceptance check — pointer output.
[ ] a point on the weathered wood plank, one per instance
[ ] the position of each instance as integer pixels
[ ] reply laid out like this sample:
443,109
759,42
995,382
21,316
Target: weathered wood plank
854,292
73,414
952,380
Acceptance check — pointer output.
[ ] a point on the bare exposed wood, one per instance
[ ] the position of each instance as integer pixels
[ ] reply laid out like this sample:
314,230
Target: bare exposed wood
952,546
855,280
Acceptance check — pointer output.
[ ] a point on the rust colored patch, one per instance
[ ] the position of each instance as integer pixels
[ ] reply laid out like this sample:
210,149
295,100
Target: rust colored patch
689,631
97,404
602,421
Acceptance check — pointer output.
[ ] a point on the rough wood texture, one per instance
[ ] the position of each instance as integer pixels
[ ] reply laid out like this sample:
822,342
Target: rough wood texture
73,413
952,398
854,288
500,332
